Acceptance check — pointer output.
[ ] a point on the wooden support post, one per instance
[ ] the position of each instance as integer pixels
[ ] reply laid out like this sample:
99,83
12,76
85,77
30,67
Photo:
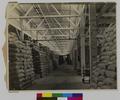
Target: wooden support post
82,44
82,54
92,37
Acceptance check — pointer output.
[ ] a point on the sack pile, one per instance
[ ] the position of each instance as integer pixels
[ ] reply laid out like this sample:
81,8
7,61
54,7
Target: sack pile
21,72
105,69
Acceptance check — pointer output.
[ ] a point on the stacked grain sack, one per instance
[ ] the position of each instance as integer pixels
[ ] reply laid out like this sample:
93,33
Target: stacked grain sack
40,60
44,63
16,65
36,60
100,72
109,51
105,71
18,77
95,72
28,63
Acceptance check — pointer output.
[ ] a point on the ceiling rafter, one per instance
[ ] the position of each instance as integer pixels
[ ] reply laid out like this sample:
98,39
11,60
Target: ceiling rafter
31,7
28,22
76,10
57,23
46,16
26,14
57,42
57,37
47,22
67,19
46,32
60,14
13,7
40,24
44,29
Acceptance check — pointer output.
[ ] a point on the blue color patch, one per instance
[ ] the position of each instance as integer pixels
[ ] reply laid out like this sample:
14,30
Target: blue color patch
67,94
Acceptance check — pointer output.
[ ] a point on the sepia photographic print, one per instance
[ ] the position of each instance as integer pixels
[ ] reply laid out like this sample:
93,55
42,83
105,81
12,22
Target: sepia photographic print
61,46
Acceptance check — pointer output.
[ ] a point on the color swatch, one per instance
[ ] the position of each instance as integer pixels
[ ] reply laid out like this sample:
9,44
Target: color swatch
59,96
46,94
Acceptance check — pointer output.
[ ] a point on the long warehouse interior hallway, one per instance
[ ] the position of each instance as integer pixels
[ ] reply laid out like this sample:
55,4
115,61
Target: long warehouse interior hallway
56,46
63,77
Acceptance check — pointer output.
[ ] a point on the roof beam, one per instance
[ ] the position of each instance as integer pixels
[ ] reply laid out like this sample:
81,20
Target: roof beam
28,22
31,7
63,16
60,14
40,23
28,13
55,39
47,22
43,16
13,7
44,29
55,36
76,10
59,25
55,9
110,14
56,19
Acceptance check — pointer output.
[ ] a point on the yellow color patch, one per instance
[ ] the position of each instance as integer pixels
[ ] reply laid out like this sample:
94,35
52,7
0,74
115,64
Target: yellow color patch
46,94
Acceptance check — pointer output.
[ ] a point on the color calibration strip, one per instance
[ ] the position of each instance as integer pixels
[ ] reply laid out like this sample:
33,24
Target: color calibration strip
59,96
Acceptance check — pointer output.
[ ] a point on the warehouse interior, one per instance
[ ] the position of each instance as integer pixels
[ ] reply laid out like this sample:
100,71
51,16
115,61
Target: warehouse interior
61,46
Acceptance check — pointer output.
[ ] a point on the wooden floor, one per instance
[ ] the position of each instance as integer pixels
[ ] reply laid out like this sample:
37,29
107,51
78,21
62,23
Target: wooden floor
63,78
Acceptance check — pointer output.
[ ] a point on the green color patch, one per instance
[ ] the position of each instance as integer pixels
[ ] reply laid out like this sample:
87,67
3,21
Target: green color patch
57,95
